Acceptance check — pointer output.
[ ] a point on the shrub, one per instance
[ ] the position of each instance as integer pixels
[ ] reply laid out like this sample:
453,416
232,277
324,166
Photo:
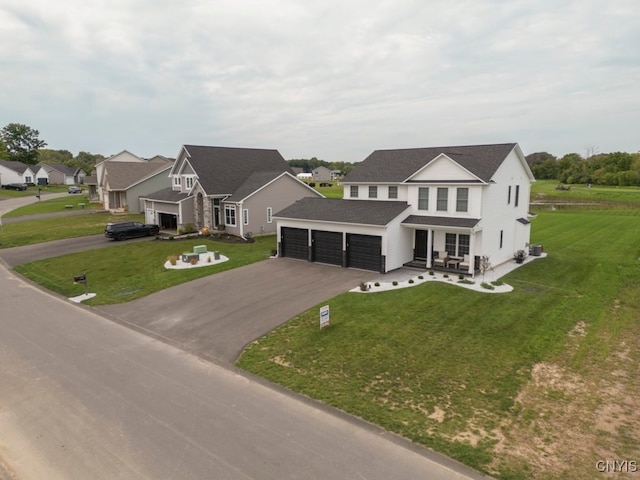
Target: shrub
411,280
420,277
460,277
446,275
377,284
394,283
497,283
190,228
364,286
274,252
488,286
466,281
209,259
180,231
431,272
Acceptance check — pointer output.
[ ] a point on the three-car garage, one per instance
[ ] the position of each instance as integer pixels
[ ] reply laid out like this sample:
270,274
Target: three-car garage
334,248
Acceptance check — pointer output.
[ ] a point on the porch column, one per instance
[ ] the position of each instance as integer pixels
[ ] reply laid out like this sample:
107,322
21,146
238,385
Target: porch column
472,257
429,247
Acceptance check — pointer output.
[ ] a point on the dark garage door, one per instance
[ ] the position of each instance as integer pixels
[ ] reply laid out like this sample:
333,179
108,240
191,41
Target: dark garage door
327,247
295,243
364,251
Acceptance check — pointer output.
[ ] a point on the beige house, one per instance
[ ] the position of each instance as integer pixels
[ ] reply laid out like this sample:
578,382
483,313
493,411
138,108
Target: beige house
232,189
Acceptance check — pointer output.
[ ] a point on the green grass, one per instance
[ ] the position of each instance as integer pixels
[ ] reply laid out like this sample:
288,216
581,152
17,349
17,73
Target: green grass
398,358
335,191
126,271
53,205
545,190
47,229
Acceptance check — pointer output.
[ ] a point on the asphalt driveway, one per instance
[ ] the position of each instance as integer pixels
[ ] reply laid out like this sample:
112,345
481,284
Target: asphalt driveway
216,316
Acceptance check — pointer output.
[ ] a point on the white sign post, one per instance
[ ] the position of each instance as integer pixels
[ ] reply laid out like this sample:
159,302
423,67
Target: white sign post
324,316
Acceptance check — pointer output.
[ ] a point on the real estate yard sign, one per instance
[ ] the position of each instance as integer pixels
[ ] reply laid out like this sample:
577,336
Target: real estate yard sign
324,316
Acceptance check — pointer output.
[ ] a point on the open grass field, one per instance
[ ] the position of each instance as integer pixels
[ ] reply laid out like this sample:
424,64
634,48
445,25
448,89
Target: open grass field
544,191
123,272
54,205
538,383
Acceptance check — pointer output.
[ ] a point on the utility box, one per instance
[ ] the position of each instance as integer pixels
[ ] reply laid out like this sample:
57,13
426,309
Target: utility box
535,250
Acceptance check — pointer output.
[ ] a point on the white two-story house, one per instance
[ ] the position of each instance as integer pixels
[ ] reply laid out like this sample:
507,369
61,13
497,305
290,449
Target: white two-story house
443,207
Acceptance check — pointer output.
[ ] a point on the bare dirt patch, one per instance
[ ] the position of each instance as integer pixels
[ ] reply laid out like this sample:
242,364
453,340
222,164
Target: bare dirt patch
568,417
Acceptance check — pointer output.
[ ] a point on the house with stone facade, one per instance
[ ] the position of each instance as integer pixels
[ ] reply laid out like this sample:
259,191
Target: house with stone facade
222,188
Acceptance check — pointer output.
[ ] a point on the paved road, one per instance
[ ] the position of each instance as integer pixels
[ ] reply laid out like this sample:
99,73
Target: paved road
82,397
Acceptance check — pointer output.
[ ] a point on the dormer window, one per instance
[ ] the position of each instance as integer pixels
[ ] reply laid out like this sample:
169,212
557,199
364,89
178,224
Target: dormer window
176,181
373,191
188,183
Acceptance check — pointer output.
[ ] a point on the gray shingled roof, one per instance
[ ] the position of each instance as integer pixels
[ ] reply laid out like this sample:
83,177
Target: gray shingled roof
398,165
60,167
167,195
16,166
251,184
441,221
122,175
223,170
364,212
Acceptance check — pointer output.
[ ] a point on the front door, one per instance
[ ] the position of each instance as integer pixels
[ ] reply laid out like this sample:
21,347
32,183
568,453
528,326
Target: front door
420,251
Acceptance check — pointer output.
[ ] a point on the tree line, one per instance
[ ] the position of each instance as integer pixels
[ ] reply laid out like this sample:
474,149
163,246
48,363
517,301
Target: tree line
22,143
618,168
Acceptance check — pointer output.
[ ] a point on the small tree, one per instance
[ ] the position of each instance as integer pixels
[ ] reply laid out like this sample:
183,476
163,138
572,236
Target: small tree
485,265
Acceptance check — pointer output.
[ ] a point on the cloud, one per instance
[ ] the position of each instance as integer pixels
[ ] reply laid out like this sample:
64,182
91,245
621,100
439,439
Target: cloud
333,80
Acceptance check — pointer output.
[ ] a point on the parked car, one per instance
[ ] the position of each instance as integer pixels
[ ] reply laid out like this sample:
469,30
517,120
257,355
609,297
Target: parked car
74,189
14,186
124,230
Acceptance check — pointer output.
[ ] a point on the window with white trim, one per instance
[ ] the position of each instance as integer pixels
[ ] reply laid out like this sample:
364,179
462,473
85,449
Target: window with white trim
188,182
393,191
373,191
230,215
353,191
245,216
443,199
269,214
423,198
462,199
176,181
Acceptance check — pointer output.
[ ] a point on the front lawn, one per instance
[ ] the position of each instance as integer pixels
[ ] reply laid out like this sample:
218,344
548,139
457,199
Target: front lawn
54,205
29,232
447,367
126,271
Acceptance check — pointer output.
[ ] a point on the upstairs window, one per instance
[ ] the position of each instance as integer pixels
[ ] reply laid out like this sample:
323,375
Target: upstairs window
517,195
373,191
188,182
354,191
393,191
443,198
462,200
509,195
176,181
423,198
269,214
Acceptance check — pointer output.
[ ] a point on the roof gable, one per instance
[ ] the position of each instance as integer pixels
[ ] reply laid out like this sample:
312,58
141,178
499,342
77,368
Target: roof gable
443,168
399,165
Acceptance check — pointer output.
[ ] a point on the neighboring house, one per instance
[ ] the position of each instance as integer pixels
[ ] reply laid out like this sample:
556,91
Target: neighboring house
15,172
123,156
304,176
231,189
58,174
322,174
402,206
91,182
124,183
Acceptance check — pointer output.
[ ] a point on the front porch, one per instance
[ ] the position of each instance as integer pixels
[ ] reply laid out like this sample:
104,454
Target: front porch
421,265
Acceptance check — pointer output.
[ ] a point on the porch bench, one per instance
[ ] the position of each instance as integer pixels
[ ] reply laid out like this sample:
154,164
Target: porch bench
187,257
200,249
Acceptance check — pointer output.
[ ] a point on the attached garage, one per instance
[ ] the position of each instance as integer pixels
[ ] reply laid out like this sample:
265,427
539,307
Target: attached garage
294,243
363,234
326,247
365,252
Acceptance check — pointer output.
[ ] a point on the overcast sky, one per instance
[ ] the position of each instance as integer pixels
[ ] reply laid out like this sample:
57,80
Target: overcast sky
330,79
